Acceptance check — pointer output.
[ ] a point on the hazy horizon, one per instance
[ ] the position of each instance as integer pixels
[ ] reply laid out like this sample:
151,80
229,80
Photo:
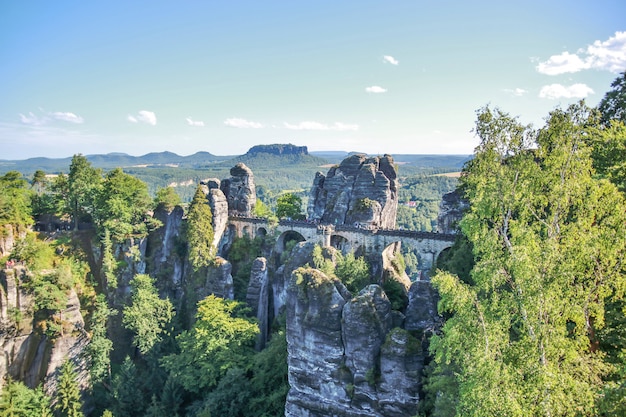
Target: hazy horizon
395,77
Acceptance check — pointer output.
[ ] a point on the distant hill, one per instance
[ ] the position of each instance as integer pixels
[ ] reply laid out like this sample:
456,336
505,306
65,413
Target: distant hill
112,160
433,161
276,157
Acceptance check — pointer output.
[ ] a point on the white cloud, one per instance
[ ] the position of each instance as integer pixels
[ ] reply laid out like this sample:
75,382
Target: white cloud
390,59
242,123
197,123
609,55
560,64
32,119
67,116
554,91
517,92
375,89
310,125
144,116
35,120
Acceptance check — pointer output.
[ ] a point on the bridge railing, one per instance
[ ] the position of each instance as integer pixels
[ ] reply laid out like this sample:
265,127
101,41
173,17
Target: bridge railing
347,228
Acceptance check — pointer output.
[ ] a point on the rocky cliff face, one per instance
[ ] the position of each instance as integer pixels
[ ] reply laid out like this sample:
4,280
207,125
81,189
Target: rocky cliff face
354,356
451,211
240,191
27,355
8,236
360,190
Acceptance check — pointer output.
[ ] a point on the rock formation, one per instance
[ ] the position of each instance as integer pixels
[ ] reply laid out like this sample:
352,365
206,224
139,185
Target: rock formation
240,191
219,209
27,355
348,356
361,190
9,234
257,298
278,149
451,211
163,251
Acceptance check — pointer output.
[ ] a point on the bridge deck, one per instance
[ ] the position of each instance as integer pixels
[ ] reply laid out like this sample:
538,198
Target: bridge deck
412,234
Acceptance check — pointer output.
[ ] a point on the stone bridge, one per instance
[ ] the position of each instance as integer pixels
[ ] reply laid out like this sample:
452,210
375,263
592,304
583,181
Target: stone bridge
370,243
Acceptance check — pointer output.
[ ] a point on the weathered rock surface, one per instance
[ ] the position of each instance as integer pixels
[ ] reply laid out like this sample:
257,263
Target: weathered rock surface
28,356
257,298
219,209
451,211
401,365
162,253
315,346
345,357
360,190
240,191
421,313
219,281
8,236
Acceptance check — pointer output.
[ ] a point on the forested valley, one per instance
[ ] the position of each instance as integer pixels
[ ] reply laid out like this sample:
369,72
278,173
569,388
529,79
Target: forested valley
531,295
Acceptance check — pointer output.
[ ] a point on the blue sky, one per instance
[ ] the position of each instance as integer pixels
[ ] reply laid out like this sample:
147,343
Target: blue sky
371,76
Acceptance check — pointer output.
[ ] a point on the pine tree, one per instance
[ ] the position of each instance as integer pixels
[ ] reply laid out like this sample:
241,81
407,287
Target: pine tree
68,402
200,231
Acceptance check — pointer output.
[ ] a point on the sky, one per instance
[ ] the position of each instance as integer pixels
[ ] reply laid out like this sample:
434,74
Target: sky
397,77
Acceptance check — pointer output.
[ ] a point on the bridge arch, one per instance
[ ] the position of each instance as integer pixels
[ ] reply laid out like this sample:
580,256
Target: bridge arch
283,241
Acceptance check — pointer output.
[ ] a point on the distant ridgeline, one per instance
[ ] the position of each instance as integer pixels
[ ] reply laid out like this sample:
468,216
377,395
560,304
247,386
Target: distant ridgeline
278,149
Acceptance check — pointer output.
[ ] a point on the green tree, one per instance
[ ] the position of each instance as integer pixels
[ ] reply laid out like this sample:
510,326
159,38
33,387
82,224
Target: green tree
353,272
609,153
547,240
17,400
269,383
128,400
83,184
289,206
219,340
68,402
199,231
123,206
167,198
613,104
148,316
100,345
15,200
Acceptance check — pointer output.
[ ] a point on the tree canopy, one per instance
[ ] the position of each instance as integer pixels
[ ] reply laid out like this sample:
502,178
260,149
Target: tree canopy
548,239
219,340
289,206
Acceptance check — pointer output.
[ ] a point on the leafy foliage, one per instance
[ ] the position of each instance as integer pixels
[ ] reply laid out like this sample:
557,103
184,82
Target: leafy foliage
613,104
100,346
167,198
241,254
289,206
200,231
148,316
424,193
219,340
83,185
68,402
15,200
16,399
547,241
122,206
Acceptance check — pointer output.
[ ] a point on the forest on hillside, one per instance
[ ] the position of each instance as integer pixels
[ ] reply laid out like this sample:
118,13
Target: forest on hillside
531,294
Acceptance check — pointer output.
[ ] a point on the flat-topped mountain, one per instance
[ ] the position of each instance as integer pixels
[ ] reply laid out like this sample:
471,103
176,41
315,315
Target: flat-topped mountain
278,149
